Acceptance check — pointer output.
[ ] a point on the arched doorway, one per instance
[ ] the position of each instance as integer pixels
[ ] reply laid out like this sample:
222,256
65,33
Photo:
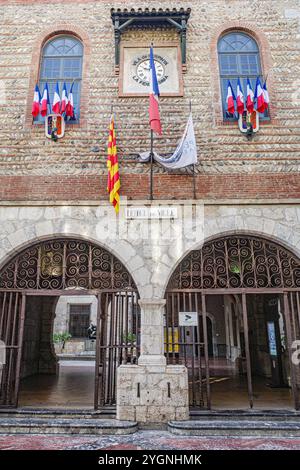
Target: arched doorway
30,285
251,286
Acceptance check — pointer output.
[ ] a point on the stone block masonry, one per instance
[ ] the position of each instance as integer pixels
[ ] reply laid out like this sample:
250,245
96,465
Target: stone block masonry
147,394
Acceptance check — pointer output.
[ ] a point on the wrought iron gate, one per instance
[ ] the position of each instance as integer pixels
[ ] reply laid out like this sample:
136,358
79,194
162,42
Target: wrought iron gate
291,302
12,309
189,345
118,340
234,264
67,266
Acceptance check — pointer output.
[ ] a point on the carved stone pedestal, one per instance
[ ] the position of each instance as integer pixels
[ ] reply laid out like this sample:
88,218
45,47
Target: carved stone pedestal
152,396
152,391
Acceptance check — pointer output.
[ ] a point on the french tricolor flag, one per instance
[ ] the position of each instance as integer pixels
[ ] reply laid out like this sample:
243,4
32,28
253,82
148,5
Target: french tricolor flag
266,95
36,102
64,99
240,102
45,101
154,116
259,95
56,101
250,97
230,99
70,105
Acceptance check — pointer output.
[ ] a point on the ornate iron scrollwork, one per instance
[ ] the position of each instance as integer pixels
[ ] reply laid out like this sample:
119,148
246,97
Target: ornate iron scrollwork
65,264
237,262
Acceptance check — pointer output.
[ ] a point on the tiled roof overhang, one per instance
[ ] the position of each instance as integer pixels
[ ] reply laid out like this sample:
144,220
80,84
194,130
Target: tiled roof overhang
147,18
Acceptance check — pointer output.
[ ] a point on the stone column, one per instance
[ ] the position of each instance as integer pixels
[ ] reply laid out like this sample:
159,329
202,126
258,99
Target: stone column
152,333
152,391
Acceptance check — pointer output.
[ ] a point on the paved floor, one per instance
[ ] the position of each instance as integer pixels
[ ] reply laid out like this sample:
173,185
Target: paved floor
145,440
74,388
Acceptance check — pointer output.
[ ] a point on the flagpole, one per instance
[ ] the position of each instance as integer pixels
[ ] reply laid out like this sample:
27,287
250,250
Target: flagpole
193,166
194,182
151,158
151,166
265,79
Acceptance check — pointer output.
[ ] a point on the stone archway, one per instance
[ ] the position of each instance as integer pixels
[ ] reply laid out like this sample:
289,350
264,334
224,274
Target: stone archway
240,266
48,269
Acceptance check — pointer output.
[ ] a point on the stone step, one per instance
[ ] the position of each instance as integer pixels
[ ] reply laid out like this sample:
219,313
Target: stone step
58,425
216,427
76,357
53,413
249,415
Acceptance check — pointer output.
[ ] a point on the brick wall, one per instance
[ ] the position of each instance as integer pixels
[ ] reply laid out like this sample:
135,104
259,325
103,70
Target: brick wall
135,186
33,168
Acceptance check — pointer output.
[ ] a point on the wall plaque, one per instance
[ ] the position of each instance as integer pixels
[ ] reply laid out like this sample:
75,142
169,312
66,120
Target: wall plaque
154,212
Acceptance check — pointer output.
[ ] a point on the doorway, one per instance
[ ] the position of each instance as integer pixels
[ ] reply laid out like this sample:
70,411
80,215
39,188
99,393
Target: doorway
214,350
58,358
249,288
82,373
269,353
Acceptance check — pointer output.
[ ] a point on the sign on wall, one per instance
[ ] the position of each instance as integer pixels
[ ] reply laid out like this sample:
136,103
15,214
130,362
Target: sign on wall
272,338
188,318
153,212
135,64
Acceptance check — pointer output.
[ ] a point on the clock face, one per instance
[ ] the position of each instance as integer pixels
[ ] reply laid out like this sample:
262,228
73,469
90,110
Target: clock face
135,70
143,71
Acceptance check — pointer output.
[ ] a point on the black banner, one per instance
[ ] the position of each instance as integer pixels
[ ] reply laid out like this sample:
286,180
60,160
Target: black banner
128,459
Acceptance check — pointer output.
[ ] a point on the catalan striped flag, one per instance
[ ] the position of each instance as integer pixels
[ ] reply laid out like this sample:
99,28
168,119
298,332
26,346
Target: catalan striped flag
113,179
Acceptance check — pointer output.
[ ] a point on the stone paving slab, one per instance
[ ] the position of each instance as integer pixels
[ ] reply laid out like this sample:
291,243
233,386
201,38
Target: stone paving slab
145,440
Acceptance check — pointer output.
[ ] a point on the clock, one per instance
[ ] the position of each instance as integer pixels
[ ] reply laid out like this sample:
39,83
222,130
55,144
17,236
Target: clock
135,70
143,70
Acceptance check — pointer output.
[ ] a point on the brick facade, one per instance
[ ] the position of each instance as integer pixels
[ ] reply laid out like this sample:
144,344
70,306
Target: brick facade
135,186
33,168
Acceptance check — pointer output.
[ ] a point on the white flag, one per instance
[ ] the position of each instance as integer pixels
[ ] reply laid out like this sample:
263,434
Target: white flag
185,153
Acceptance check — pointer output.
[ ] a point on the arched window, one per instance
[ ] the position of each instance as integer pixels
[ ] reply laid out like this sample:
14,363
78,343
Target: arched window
62,62
238,58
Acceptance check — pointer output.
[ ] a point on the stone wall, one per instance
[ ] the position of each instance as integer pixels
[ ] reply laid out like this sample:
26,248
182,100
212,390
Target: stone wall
62,323
62,311
149,250
229,166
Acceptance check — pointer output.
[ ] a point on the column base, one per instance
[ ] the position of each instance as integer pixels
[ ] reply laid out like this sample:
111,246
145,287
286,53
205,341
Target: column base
153,361
152,394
